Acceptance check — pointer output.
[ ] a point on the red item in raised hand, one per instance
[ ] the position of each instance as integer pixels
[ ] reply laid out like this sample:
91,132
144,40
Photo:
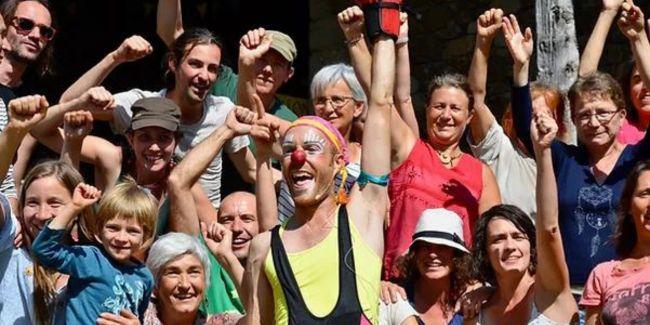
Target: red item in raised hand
381,16
298,158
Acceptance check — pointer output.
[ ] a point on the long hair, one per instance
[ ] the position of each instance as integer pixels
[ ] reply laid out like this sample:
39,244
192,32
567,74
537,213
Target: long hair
459,278
183,45
44,63
625,236
625,74
481,267
44,280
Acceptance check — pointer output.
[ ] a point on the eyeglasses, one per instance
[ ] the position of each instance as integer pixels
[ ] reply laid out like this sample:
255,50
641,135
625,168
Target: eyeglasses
336,101
24,26
601,116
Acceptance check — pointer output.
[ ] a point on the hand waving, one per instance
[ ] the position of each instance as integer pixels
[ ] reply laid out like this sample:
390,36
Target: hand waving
520,45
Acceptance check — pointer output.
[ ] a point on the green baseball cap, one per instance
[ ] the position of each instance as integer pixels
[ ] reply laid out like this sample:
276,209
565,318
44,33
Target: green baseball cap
284,45
155,111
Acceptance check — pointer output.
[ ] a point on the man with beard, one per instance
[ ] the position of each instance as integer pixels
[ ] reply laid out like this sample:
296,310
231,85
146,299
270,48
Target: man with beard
29,35
191,70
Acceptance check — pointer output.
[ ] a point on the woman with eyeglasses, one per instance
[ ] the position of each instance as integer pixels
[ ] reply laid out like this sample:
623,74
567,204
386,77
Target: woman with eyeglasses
591,175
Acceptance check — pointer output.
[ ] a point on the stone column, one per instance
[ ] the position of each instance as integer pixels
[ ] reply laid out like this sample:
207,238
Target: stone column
557,48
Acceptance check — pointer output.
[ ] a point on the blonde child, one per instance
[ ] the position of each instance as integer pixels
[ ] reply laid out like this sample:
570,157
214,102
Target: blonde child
106,278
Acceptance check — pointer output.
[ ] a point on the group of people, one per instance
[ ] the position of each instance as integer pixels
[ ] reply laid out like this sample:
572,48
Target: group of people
355,218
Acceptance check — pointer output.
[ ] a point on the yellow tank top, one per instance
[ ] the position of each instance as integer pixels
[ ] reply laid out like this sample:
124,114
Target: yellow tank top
316,272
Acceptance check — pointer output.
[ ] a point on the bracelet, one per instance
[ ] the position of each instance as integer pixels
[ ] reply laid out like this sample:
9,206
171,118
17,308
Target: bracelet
365,178
402,40
354,40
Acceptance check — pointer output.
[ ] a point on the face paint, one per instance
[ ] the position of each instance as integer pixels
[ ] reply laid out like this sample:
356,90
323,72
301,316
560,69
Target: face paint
313,143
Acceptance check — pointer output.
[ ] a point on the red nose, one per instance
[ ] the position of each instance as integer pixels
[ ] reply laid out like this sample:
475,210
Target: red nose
298,158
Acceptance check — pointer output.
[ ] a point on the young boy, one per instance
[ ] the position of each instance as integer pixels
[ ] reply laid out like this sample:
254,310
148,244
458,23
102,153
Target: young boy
106,278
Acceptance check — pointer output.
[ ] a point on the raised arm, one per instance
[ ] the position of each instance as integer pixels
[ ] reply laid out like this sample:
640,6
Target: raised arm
131,49
21,119
594,48
632,24
520,46
488,26
219,240
402,95
352,22
183,212
552,272
169,20
76,126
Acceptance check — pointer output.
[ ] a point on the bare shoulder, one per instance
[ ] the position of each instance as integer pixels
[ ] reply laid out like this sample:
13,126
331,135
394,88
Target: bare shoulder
259,247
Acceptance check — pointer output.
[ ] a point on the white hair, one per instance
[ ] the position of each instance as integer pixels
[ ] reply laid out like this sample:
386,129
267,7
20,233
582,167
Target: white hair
172,246
331,74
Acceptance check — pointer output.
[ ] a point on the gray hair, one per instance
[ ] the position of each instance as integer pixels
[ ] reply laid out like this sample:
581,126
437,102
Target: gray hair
330,74
172,246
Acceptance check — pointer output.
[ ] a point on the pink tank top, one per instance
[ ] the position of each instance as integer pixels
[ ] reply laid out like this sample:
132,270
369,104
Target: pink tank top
422,182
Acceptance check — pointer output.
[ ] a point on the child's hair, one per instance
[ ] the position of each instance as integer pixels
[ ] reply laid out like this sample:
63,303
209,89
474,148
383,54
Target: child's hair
127,200
596,84
44,280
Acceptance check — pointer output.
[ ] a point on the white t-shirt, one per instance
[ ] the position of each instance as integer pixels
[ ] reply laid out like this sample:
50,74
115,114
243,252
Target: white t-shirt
16,275
516,173
215,110
395,313
7,186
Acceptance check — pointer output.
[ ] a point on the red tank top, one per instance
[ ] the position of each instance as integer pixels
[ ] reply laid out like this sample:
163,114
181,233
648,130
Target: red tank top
422,182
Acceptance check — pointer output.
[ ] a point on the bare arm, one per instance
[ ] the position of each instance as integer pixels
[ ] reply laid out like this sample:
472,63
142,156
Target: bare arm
267,205
403,101
596,43
552,274
169,20
258,298
593,316
76,126
490,195
632,24
131,49
487,27
351,22
244,162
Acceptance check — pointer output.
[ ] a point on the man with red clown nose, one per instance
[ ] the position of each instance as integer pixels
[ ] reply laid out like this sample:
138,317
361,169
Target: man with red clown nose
323,264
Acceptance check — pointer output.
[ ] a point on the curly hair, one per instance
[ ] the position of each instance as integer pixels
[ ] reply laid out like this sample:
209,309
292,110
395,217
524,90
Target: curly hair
482,269
625,236
460,277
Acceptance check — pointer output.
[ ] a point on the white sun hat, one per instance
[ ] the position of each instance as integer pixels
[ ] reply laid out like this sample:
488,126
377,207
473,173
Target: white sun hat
441,227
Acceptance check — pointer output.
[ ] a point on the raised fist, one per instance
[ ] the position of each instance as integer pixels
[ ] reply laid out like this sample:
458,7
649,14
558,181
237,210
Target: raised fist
132,49
351,22
631,23
488,25
84,195
254,45
25,112
77,125
97,99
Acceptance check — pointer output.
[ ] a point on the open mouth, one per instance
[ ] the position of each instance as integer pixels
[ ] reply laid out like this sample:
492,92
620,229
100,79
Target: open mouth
302,180
184,296
239,242
152,159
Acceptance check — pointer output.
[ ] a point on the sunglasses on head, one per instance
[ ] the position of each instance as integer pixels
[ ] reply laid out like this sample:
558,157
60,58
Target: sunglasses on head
25,26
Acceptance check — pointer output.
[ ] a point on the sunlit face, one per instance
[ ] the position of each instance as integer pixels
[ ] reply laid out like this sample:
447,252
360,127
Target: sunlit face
508,248
44,198
153,147
640,204
181,285
337,106
238,213
273,71
447,115
312,181
433,261
121,238
28,45
640,95
598,120
197,72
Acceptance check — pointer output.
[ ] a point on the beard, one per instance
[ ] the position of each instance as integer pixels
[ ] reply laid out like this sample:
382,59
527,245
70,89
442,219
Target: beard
19,53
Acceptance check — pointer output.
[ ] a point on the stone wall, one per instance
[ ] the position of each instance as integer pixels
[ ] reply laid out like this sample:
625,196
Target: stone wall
442,39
